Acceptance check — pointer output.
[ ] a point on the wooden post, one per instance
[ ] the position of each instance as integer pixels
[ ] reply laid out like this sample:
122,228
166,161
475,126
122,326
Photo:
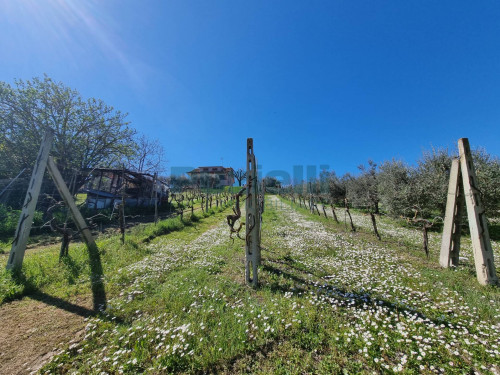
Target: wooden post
98,190
70,203
94,256
121,213
311,209
26,219
154,192
450,243
263,196
156,206
334,214
483,253
252,224
206,199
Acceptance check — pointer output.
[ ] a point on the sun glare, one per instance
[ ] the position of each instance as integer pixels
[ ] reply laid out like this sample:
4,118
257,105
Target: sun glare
69,28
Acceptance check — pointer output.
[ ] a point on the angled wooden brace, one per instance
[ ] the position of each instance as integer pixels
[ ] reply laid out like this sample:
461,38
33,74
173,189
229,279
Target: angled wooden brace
481,245
450,242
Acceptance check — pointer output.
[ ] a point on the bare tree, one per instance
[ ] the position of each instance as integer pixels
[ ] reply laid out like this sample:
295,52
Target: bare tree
149,156
240,175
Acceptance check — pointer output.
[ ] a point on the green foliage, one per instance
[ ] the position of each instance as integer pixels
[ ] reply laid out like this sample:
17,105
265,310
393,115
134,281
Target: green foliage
402,189
271,182
425,187
362,190
488,174
333,186
430,181
9,219
165,227
87,133
394,187
233,189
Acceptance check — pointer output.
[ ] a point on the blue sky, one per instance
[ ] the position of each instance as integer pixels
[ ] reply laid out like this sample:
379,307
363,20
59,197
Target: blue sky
313,82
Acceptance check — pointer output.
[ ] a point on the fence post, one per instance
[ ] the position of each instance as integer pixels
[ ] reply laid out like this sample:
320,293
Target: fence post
18,248
252,225
483,253
450,243
97,284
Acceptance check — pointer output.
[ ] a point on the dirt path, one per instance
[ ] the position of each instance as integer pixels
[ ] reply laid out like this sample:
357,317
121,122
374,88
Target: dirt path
32,330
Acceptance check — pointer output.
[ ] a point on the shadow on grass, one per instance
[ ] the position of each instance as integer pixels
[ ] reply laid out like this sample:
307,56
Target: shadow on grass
72,267
96,281
32,291
346,298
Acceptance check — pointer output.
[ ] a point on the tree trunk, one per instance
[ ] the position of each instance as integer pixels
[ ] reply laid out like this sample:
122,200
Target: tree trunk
426,240
334,214
65,243
353,228
374,222
122,221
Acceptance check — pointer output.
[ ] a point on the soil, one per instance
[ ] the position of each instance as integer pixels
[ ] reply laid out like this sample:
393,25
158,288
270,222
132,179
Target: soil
34,329
37,327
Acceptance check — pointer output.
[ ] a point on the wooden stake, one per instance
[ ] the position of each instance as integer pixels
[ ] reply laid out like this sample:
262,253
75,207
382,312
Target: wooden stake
252,224
94,256
70,203
26,219
450,243
483,253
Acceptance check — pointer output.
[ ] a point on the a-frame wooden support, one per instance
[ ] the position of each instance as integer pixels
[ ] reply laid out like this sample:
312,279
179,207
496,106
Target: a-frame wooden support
463,187
18,249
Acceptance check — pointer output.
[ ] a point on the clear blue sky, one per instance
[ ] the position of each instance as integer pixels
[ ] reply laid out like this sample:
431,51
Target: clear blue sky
313,82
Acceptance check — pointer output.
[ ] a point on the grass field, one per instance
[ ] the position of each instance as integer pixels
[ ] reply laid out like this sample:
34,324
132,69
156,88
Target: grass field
330,301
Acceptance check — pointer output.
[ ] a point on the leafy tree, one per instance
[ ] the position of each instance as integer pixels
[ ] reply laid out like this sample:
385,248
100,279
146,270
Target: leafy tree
177,183
431,182
395,187
363,190
403,188
87,133
271,181
488,175
337,188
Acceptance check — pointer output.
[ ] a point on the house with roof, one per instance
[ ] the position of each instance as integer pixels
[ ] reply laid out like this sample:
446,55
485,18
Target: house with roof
217,176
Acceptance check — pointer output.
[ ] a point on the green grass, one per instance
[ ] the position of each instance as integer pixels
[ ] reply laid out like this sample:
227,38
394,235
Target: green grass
329,302
43,272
